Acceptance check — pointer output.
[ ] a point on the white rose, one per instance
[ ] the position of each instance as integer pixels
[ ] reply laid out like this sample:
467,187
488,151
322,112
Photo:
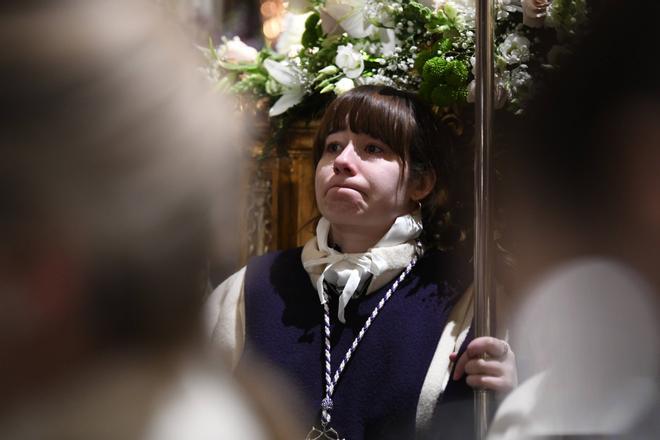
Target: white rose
349,60
235,51
293,28
514,49
338,16
344,85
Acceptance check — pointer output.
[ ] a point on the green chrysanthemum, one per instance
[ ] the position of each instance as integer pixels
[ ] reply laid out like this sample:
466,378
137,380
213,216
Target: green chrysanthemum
425,90
435,70
444,95
422,57
457,74
438,70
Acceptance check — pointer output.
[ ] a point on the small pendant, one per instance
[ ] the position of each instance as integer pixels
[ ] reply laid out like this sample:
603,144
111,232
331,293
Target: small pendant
324,433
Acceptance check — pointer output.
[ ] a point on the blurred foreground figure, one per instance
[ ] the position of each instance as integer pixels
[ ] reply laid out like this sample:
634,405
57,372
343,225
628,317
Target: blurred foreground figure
111,153
585,197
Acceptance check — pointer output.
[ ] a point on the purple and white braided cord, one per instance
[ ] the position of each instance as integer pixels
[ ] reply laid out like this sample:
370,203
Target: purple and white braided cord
330,381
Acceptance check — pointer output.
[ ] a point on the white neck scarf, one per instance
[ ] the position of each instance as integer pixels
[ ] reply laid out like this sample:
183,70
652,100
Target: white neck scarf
392,253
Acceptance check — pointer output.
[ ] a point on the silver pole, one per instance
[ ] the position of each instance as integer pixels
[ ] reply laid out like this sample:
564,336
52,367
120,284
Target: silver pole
483,281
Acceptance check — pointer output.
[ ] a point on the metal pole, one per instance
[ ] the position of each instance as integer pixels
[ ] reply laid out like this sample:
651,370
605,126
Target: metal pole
483,281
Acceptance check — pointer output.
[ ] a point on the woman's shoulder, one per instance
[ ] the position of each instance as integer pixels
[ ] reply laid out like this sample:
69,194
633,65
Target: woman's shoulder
275,257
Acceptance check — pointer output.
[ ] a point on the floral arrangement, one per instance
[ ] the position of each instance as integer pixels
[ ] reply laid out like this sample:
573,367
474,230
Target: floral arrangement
424,46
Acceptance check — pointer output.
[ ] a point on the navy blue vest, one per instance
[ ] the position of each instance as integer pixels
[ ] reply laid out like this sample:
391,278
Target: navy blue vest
377,394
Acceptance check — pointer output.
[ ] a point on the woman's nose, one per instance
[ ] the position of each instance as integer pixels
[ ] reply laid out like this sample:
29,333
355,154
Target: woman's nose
345,162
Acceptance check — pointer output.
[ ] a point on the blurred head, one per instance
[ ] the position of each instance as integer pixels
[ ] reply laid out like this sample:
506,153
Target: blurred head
379,153
581,179
111,153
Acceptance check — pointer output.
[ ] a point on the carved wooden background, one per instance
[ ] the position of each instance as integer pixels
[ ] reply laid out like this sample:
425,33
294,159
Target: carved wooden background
279,206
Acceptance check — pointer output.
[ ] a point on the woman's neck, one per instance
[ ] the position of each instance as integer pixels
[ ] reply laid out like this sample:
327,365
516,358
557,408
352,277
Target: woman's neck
353,240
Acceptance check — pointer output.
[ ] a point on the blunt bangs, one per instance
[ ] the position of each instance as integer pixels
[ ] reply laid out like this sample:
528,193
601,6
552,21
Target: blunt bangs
381,112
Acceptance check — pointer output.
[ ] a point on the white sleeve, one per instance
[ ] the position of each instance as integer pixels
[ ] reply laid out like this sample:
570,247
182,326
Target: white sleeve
224,317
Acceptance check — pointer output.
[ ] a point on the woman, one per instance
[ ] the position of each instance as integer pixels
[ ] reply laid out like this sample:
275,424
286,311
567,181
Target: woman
374,286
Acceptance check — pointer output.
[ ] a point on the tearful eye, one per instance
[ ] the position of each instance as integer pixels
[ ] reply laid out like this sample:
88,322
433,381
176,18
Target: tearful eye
373,149
333,147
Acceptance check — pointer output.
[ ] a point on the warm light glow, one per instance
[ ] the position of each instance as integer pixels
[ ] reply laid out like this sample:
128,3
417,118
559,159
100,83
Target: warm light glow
268,8
272,12
272,28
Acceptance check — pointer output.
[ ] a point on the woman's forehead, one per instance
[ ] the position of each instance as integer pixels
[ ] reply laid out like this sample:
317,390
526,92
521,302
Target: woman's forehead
350,134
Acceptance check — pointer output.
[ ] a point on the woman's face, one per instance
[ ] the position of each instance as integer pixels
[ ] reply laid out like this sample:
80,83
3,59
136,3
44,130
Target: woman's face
358,182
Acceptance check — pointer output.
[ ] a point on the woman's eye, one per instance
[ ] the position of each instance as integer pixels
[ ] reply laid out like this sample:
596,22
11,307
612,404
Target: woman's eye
333,147
373,149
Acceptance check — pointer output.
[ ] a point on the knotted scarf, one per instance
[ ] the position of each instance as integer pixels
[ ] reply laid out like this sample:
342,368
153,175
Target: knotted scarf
384,260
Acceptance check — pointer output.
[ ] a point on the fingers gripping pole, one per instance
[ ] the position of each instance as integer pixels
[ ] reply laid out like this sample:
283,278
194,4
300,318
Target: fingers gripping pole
483,281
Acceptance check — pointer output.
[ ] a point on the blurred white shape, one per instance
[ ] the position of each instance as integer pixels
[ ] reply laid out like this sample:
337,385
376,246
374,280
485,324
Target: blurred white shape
204,406
293,28
593,337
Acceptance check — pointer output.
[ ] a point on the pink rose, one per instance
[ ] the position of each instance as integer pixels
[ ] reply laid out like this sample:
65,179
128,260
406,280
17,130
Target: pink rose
534,12
235,51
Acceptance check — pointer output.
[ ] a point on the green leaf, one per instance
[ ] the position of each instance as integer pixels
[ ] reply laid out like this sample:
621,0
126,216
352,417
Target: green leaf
313,31
236,66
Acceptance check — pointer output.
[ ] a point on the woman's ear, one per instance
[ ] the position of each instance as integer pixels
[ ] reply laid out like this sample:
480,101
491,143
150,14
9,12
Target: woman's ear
421,186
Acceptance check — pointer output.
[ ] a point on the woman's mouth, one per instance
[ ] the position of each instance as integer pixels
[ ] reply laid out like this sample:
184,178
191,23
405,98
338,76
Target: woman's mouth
343,189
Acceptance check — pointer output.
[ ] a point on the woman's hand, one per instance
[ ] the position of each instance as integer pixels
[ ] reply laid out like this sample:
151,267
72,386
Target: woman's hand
497,371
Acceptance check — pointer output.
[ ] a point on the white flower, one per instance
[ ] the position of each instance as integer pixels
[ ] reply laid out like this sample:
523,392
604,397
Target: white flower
378,79
290,78
382,14
388,41
510,5
518,83
348,16
293,27
349,60
329,70
344,85
520,78
460,5
514,49
298,6
235,51
463,11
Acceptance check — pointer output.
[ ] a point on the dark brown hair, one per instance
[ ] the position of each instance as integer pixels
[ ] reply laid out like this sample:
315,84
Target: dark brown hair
409,127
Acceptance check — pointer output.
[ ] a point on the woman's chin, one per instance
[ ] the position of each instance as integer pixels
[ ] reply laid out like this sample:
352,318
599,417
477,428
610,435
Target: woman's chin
344,212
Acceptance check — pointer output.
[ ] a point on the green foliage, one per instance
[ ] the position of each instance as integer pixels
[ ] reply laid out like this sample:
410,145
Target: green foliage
425,91
431,54
440,70
435,70
417,12
444,95
443,46
569,16
313,31
423,57
444,82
